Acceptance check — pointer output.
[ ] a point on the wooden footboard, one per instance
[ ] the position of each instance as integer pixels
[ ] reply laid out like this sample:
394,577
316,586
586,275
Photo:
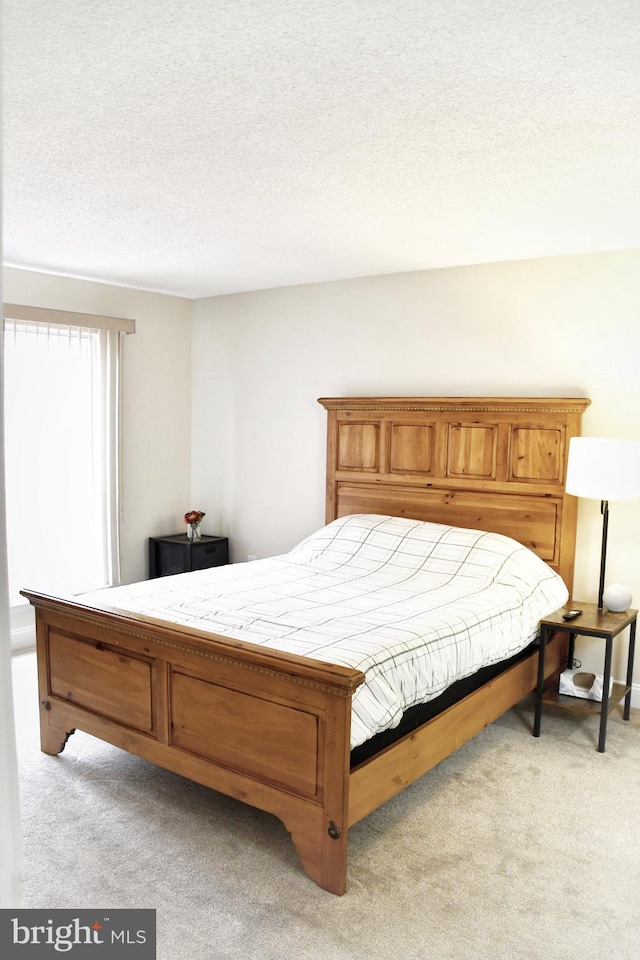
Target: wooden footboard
264,727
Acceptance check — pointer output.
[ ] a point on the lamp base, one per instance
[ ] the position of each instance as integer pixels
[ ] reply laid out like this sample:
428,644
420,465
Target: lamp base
604,510
617,598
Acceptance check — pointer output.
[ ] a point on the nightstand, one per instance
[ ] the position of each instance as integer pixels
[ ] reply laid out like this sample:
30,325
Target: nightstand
178,554
591,623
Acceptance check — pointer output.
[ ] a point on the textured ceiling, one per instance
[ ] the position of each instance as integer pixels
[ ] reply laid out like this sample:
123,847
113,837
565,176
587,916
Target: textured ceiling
201,148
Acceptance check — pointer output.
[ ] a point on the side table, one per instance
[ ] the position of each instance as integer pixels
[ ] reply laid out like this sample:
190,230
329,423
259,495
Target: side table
591,623
178,554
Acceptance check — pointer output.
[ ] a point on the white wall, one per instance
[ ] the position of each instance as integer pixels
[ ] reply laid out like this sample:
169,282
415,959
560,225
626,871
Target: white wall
156,400
563,326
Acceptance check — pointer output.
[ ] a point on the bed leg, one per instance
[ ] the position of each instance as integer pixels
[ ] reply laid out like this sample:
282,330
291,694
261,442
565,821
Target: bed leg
322,848
52,740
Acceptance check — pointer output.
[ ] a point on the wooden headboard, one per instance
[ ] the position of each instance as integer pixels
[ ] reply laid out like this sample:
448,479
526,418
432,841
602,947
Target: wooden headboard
489,463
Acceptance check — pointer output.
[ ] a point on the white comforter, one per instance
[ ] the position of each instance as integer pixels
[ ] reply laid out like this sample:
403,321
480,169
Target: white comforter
414,606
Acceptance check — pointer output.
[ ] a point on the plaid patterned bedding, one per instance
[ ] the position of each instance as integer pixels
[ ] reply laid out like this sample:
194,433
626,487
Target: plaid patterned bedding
414,606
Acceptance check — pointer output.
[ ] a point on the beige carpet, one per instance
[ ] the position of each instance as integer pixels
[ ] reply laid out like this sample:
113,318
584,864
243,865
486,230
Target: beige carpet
515,847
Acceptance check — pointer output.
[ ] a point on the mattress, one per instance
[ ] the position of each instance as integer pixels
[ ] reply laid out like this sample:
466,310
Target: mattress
414,605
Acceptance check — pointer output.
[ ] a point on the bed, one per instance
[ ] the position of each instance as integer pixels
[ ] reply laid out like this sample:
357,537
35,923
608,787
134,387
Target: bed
250,707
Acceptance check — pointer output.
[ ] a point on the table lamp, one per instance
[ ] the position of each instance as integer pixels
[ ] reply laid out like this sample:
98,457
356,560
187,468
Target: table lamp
603,469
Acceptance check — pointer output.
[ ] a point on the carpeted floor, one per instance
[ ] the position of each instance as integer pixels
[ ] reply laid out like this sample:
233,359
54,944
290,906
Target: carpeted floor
514,847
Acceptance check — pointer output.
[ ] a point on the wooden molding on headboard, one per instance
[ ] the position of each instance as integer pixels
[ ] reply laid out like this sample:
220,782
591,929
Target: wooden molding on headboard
489,463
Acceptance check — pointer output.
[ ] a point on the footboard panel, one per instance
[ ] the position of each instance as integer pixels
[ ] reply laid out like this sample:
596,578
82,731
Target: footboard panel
275,742
101,679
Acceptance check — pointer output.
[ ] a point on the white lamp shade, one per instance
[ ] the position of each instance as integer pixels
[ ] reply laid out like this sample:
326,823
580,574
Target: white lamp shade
603,469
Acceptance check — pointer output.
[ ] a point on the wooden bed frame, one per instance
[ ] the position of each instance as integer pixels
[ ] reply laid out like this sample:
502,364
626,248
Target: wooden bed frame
272,729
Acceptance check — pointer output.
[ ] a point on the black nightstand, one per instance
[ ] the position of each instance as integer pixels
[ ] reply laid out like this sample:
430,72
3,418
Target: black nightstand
592,622
178,554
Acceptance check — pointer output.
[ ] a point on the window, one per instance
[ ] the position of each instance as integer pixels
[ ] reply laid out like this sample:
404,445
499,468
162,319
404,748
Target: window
61,450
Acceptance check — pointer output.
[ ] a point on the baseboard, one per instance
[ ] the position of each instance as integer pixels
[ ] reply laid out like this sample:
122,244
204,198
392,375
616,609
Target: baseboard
23,627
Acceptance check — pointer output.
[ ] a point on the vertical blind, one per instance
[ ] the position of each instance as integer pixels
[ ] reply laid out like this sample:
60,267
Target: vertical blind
61,455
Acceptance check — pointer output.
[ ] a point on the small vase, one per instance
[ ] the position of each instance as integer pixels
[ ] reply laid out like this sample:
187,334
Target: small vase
193,532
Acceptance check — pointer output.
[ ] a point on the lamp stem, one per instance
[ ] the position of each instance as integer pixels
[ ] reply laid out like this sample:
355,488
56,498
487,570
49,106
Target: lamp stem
604,510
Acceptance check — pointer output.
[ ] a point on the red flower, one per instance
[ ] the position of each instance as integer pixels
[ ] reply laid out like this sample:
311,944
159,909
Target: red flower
193,516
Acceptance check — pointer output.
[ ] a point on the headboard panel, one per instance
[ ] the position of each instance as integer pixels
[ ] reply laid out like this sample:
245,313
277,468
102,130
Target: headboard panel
489,463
